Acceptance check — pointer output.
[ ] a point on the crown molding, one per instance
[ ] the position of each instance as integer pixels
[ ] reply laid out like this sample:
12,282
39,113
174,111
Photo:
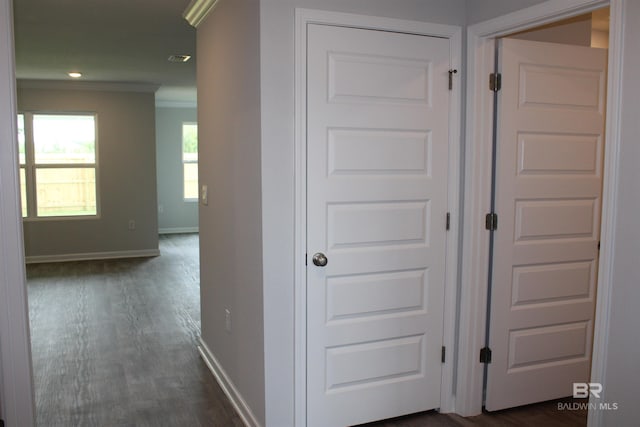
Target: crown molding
198,10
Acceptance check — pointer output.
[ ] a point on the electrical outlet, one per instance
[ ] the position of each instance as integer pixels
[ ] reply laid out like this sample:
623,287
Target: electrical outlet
227,320
132,224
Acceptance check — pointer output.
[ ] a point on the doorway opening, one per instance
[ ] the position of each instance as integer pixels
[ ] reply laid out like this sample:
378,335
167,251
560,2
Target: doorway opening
108,317
481,59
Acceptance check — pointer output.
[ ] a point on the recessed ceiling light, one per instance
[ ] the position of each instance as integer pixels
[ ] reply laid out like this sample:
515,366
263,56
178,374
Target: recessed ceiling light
75,74
179,58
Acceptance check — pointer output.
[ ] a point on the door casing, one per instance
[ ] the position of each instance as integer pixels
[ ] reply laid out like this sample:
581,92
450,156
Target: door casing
454,34
17,400
478,143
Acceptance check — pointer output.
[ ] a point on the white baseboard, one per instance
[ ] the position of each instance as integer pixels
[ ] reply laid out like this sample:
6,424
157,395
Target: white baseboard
178,230
228,387
143,253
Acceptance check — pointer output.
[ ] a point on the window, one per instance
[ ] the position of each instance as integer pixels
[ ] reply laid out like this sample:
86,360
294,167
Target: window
190,160
57,165
23,164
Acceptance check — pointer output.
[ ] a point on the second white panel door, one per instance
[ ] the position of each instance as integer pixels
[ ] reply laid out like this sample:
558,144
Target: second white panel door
548,192
378,147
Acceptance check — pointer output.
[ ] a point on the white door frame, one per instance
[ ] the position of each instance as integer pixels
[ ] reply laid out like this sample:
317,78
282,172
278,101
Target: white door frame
478,146
303,18
16,386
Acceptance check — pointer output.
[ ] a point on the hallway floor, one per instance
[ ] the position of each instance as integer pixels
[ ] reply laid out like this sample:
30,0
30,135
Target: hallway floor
544,414
114,344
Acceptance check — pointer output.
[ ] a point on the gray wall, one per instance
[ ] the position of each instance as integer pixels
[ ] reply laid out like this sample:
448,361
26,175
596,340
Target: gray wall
174,213
127,174
483,10
229,164
277,66
622,376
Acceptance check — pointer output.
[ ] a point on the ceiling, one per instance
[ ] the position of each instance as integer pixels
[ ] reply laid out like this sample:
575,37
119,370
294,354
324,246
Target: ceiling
123,41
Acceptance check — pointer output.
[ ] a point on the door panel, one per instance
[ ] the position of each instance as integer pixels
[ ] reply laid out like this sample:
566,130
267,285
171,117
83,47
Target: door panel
548,197
377,147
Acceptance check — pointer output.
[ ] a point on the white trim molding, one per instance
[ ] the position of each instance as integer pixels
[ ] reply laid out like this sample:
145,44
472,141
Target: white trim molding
478,146
227,386
178,230
304,17
16,384
535,16
197,10
609,203
176,104
92,256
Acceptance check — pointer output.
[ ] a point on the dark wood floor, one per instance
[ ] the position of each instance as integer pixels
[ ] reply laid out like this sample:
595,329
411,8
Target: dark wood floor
114,344
544,414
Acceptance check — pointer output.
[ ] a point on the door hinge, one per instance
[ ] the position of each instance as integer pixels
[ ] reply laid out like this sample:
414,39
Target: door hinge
485,355
444,354
491,221
451,73
448,221
598,245
495,82
305,259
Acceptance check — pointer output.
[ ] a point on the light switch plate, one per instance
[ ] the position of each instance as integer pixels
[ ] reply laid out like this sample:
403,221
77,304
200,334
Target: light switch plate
204,195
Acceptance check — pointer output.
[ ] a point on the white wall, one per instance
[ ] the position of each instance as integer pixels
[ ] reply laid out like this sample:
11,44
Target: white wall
126,167
277,97
174,213
229,163
622,376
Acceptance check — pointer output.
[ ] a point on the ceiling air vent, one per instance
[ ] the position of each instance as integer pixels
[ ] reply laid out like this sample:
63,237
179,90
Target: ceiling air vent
179,58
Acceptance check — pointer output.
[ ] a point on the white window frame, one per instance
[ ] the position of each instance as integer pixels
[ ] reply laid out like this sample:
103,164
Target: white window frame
31,167
24,208
185,162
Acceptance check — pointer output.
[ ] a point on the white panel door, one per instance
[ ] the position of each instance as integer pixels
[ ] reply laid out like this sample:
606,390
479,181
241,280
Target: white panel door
548,196
377,146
